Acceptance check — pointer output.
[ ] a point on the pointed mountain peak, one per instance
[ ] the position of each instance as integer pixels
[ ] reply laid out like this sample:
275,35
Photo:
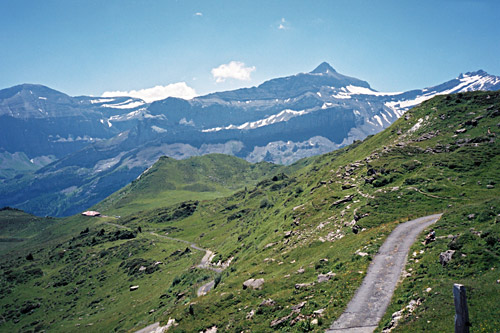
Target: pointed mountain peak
323,68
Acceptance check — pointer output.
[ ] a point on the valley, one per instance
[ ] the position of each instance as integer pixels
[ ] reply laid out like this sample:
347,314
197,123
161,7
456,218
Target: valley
299,238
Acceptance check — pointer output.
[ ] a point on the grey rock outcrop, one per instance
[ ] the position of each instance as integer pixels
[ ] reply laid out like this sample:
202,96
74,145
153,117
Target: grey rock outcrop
253,283
445,257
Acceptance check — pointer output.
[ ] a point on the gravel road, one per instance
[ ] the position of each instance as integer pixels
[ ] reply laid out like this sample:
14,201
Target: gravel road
370,302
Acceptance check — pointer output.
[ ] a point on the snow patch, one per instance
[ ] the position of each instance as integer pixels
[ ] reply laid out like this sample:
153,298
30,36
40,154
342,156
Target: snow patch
128,104
355,90
184,121
158,129
342,95
101,100
326,105
284,115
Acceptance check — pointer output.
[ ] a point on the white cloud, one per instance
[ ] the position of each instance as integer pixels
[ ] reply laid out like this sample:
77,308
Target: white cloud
179,89
283,24
198,14
233,70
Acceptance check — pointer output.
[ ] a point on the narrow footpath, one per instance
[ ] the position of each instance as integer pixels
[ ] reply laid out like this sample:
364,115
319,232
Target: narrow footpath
205,263
371,300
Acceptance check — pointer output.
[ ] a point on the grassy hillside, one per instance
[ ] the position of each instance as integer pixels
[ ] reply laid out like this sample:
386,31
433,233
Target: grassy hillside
322,220
17,228
170,181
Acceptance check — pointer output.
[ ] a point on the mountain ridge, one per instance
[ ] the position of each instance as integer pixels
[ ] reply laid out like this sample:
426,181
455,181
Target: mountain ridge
108,142
307,234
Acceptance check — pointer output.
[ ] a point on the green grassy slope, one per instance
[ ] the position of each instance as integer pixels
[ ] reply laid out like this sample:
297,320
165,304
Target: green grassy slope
17,228
171,181
330,214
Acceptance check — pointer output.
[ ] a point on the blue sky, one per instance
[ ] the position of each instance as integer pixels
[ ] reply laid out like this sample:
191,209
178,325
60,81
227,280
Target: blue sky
86,47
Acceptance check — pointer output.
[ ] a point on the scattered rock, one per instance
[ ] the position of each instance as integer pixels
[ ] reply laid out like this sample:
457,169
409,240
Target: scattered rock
471,122
268,302
314,321
132,288
359,253
461,130
297,207
490,187
369,180
325,277
269,245
427,136
303,285
250,314
347,198
212,329
445,257
29,307
298,307
300,270
288,233
319,312
279,321
471,216
253,283
398,315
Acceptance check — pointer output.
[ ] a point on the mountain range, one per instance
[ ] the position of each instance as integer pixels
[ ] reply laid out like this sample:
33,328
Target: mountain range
216,243
62,154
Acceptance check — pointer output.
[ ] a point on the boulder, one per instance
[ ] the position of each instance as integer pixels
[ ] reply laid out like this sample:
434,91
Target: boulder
347,198
253,283
250,314
268,302
303,285
319,312
298,307
133,288
325,277
445,257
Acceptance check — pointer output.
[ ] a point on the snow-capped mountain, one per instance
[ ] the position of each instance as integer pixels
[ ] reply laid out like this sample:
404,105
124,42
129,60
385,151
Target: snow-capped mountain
74,151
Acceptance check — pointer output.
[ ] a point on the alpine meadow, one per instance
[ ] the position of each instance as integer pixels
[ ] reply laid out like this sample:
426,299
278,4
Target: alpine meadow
251,166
